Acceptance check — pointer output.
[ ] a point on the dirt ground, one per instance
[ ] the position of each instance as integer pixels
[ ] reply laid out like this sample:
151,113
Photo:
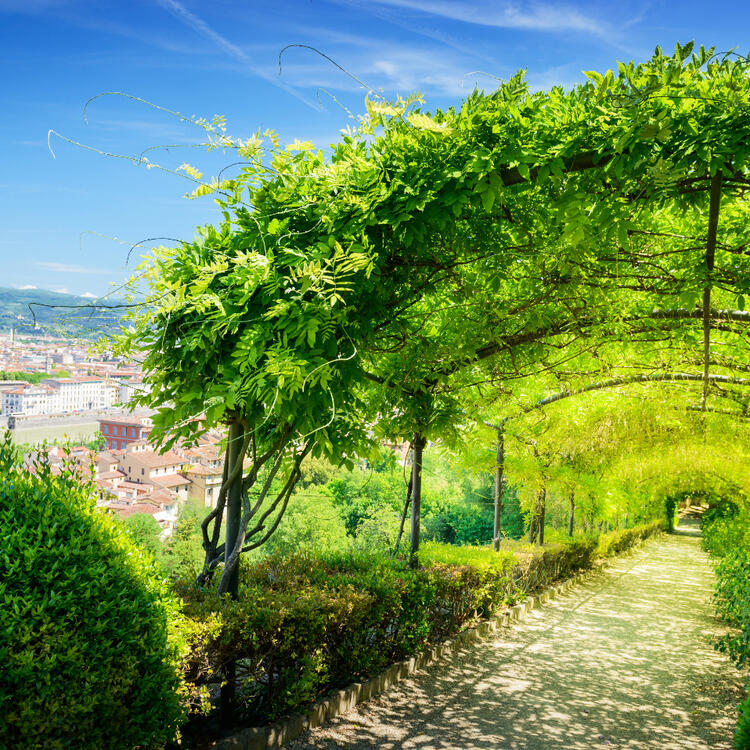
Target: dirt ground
624,660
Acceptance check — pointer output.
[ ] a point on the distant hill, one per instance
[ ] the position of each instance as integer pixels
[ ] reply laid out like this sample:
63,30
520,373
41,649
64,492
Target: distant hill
27,310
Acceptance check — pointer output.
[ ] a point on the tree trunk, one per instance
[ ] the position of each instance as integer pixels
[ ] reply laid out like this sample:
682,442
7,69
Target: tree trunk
542,509
416,498
571,511
234,515
532,527
403,517
499,465
626,520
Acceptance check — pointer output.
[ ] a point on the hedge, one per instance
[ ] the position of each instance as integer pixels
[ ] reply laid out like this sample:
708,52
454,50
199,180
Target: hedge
726,534
307,624
88,642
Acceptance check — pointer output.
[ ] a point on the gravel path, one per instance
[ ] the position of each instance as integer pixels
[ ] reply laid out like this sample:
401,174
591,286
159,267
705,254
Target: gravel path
624,660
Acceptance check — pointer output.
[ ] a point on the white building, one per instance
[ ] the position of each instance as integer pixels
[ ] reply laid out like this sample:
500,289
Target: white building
60,396
26,400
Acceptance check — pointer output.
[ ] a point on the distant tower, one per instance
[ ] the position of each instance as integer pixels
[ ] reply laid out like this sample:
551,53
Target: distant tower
12,337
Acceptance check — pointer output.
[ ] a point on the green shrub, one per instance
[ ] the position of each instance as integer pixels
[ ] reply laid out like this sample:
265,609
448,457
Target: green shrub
87,645
307,623
726,534
614,542
742,737
145,532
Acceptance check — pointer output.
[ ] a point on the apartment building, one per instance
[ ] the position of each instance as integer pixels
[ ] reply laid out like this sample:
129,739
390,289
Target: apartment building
205,483
59,396
120,432
160,470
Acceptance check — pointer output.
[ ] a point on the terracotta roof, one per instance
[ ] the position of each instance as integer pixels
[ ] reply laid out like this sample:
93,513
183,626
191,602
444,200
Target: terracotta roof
124,510
107,458
137,486
156,460
162,496
200,470
132,421
111,475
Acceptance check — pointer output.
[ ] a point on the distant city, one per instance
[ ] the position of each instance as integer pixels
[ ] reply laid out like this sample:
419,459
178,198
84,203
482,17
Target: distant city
69,407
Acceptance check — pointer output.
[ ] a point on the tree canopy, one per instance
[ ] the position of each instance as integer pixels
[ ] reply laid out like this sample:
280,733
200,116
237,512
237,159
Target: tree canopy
436,271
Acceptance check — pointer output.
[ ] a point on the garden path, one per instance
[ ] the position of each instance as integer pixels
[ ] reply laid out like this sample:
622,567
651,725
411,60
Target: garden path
623,660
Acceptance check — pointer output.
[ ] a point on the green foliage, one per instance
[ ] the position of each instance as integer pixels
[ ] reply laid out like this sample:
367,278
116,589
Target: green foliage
726,534
87,629
742,737
359,494
182,554
97,443
733,603
378,531
146,533
312,523
307,623
614,542
32,377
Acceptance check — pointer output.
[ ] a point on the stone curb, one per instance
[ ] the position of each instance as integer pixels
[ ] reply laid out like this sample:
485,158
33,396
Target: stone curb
276,735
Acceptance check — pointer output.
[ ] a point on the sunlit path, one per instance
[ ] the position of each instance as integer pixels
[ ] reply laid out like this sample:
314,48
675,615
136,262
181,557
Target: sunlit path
624,660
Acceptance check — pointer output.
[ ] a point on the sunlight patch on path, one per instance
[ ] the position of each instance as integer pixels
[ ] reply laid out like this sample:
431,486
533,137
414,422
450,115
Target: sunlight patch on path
625,660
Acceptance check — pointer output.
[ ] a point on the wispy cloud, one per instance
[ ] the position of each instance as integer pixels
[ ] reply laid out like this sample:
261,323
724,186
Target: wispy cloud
88,295
385,65
68,267
527,16
566,76
22,287
196,23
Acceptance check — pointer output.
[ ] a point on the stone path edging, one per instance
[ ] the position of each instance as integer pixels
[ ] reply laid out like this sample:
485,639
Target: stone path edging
276,735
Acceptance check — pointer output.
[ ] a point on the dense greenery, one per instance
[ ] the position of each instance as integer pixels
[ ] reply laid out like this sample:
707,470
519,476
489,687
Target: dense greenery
88,631
437,272
726,534
546,287
33,377
306,623
344,510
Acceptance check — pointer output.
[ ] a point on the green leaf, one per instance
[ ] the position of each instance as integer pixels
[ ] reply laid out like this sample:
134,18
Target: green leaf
488,199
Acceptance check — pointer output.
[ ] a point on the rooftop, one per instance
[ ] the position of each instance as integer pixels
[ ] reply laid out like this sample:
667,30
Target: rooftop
156,460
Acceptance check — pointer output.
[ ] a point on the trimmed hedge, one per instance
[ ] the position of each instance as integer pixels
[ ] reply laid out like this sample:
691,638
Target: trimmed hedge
306,624
87,641
726,534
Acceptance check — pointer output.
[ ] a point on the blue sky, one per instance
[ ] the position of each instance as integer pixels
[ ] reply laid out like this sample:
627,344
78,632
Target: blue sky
67,222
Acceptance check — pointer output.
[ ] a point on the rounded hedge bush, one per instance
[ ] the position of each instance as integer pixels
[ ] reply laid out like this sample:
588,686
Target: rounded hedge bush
88,640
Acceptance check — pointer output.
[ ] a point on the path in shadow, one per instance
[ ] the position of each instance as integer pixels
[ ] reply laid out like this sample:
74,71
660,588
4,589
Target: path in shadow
625,660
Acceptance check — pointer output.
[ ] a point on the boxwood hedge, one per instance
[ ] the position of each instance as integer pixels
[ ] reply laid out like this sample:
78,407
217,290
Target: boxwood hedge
307,623
87,630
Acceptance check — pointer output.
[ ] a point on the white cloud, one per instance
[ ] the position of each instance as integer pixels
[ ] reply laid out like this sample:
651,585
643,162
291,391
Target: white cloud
389,66
67,267
508,15
88,295
26,286
196,23
61,290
